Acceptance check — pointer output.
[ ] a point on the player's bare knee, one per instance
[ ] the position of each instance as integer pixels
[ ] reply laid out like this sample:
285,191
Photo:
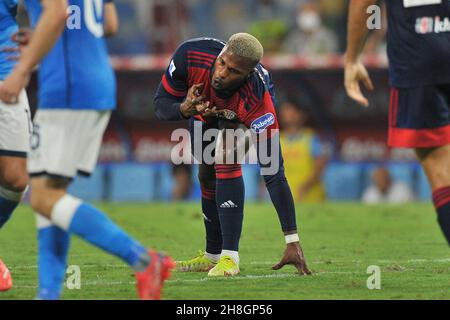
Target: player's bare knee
436,163
15,181
45,192
41,202
36,201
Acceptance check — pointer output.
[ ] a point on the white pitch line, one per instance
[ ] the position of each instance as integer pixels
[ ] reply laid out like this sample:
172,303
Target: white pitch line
254,263
204,279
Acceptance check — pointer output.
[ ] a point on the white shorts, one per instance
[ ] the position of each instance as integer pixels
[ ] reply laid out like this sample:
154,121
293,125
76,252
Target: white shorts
66,142
15,127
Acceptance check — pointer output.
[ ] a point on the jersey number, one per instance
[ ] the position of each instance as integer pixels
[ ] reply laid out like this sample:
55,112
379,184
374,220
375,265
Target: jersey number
93,11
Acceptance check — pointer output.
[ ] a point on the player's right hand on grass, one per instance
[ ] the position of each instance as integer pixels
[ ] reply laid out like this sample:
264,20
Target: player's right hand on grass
354,73
194,103
293,255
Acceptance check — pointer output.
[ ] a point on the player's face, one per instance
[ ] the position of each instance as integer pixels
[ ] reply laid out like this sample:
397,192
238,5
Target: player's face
230,71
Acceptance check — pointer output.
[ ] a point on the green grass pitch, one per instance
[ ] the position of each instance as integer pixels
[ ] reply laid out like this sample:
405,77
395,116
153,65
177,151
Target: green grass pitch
340,241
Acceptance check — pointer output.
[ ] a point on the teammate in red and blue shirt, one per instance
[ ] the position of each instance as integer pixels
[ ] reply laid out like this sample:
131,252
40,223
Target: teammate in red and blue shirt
221,85
419,73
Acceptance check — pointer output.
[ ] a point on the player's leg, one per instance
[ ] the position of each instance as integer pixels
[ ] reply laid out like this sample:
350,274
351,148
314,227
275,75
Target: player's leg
230,194
436,164
207,259
53,242
15,130
419,118
13,182
15,127
207,178
75,216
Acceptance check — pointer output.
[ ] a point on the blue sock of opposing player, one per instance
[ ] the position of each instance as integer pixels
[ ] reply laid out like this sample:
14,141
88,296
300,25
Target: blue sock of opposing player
441,199
230,195
212,224
86,221
9,200
53,246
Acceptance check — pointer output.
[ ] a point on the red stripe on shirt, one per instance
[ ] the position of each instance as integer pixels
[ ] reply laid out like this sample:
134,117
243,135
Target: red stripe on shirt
171,90
202,54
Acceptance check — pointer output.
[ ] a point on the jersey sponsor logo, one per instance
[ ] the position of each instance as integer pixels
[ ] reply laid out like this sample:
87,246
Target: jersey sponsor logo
261,123
417,3
426,25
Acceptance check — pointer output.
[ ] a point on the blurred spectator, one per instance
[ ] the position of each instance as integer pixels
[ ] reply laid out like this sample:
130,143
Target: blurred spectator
383,189
182,186
304,155
268,25
310,36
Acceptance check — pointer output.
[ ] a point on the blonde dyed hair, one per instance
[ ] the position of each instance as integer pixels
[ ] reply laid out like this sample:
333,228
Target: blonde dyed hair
246,46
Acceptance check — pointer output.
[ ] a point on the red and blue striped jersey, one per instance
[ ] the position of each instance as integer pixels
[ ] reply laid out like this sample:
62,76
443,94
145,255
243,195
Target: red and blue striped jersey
418,42
193,63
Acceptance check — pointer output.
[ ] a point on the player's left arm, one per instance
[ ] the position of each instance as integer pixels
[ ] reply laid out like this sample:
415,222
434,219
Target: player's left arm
111,19
281,196
48,30
356,34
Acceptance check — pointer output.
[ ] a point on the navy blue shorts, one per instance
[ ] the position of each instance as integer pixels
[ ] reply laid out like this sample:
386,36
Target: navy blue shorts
419,117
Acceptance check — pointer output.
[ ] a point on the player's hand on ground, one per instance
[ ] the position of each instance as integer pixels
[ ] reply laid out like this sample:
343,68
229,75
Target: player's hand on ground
293,255
194,103
13,85
355,73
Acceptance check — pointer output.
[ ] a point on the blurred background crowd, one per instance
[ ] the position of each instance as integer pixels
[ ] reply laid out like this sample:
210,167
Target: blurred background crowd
299,27
333,149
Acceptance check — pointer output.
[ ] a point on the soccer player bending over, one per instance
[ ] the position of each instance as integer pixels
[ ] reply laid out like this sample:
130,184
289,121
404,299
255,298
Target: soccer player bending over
76,95
216,85
15,120
419,72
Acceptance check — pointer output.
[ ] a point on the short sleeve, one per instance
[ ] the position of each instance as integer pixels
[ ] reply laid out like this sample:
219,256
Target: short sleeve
174,79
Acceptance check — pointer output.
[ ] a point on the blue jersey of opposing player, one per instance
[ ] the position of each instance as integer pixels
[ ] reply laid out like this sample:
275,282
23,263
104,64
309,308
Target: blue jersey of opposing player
77,74
8,26
418,42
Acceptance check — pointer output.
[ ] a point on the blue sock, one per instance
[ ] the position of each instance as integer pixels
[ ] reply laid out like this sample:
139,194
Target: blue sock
6,209
230,205
53,246
94,226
